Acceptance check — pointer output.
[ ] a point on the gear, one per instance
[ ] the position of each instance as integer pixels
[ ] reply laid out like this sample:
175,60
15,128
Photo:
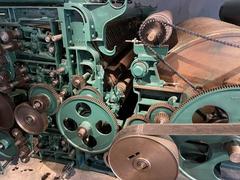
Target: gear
143,157
203,153
135,119
8,150
154,33
155,109
90,91
30,120
87,123
162,118
46,96
6,112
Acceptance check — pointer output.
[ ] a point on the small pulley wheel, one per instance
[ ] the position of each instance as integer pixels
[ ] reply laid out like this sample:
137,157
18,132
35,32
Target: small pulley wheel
30,120
156,110
144,157
44,97
135,120
6,113
87,123
8,150
91,92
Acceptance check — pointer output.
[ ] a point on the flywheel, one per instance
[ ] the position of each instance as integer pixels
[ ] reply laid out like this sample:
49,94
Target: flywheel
6,112
30,120
207,154
87,123
143,157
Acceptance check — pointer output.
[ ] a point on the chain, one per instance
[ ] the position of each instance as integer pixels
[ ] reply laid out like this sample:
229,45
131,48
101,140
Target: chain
200,35
170,67
193,34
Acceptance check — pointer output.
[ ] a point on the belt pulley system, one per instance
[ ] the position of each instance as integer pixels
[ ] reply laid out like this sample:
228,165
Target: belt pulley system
32,116
196,138
202,145
204,129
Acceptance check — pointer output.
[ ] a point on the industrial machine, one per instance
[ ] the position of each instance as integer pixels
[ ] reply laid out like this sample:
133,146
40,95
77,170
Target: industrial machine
116,87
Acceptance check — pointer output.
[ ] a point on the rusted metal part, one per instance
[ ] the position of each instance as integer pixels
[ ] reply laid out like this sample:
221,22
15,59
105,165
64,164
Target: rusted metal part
30,120
116,70
204,63
144,157
6,113
152,32
183,129
234,152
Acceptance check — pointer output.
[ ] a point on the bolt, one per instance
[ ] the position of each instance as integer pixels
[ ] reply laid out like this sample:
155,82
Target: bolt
152,35
37,105
52,74
29,119
51,49
141,164
16,133
234,152
82,133
55,82
48,38
56,37
1,146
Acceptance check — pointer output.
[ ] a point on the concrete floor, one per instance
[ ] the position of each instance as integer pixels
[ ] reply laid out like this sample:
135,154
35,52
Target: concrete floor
37,170
40,170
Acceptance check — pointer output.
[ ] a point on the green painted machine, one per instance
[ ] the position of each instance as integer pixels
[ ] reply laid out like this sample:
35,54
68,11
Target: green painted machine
116,87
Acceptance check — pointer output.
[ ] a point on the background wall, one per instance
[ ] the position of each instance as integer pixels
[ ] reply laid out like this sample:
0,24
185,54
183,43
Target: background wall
185,9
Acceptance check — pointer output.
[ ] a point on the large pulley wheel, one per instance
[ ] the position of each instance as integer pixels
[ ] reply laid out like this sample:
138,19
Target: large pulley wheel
144,157
90,91
87,123
6,113
30,120
8,150
206,155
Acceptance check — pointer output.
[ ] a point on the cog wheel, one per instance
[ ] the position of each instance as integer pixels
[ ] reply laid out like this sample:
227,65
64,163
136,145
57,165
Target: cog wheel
143,157
90,91
6,112
152,32
45,96
135,119
30,120
87,123
155,109
206,153
8,150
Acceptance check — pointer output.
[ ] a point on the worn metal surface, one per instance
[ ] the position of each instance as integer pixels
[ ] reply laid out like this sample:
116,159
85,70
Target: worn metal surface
202,62
144,157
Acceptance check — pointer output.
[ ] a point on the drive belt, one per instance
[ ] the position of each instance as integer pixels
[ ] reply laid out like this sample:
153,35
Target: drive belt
203,129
